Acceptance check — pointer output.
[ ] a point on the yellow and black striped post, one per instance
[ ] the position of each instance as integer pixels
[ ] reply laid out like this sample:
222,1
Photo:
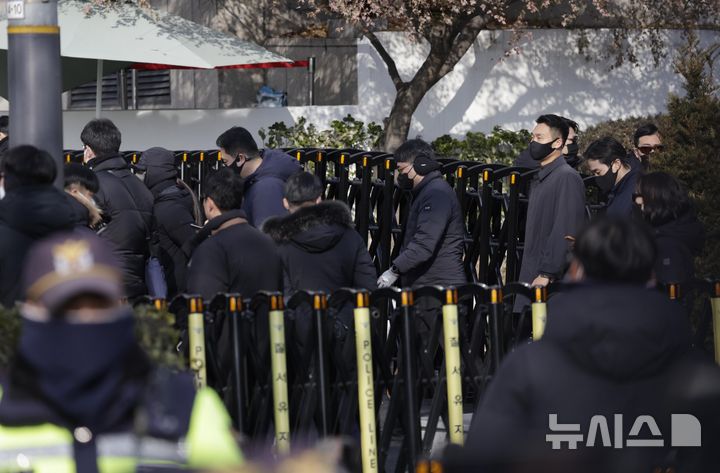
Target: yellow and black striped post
539,311
278,360
196,330
451,333
366,384
35,77
715,303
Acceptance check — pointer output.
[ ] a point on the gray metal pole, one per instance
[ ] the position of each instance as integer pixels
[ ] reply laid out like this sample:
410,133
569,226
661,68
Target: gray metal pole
311,80
98,88
35,77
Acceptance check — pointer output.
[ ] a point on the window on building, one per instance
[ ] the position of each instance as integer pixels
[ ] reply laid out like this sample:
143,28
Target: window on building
148,88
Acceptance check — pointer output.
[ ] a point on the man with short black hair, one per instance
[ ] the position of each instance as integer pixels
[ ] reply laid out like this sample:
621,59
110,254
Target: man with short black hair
32,209
124,200
265,173
569,151
556,209
646,141
319,247
234,257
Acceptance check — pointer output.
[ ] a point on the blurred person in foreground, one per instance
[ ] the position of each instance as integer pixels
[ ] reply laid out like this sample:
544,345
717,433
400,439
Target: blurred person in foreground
81,395
32,209
613,351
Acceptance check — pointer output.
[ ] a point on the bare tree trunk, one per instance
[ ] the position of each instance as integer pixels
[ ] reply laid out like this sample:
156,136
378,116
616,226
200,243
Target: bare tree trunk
398,123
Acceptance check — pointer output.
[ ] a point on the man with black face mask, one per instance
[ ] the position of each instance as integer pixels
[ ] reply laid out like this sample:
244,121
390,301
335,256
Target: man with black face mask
614,174
556,210
265,173
433,244
432,250
569,151
81,394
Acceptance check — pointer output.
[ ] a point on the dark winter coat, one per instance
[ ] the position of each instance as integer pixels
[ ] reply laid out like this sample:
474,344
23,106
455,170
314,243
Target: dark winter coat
620,200
607,350
320,249
433,246
556,210
679,241
28,214
265,188
128,205
236,258
173,216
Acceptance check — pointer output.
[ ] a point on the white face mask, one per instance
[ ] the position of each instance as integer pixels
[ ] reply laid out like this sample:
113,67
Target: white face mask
2,192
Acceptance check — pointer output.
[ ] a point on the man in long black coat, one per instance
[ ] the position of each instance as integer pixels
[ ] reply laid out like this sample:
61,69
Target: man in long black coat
556,210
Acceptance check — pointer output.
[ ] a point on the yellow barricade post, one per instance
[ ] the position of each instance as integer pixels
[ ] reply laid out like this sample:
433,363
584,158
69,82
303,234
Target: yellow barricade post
366,384
279,374
452,366
539,312
715,302
196,329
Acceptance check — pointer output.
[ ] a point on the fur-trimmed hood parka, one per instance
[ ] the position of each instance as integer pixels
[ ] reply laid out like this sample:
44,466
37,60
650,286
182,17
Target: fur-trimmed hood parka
321,250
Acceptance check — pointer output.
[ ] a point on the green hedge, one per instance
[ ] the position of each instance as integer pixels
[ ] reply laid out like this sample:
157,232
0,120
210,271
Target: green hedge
498,146
153,329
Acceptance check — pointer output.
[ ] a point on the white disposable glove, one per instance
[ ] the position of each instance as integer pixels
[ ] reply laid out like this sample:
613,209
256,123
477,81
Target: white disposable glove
388,278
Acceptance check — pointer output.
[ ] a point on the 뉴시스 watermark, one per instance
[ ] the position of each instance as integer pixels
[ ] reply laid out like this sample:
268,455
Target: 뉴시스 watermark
685,431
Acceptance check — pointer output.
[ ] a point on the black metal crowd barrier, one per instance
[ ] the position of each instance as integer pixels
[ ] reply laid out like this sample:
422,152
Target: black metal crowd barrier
368,365
493,198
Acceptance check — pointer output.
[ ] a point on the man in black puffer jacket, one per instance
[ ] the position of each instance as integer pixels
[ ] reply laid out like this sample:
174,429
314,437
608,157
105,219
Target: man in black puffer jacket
124,200
174,213
433,246
613,351
32,209
320,249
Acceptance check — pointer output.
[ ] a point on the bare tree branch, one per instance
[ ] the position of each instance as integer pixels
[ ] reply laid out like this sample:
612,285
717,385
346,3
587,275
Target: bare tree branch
389,61
462,42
